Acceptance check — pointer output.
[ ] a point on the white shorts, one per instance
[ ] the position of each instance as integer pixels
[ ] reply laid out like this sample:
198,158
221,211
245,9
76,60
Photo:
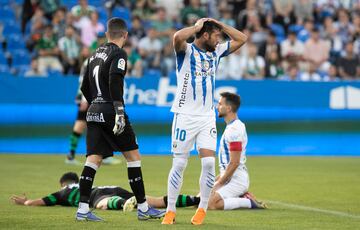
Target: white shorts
237,186
188,130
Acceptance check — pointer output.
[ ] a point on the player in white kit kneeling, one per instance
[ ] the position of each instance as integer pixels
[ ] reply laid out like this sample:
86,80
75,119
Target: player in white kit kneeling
230,190
194,111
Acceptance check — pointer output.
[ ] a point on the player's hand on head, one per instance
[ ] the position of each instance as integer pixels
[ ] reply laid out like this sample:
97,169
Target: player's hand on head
200,23
215,21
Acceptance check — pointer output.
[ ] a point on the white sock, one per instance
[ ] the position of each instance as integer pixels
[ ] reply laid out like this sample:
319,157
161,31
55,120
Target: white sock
83,208
207,180
175,180
143,206
235,203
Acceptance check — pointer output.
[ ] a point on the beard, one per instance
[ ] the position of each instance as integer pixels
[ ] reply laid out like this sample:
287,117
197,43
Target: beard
220,115
209,47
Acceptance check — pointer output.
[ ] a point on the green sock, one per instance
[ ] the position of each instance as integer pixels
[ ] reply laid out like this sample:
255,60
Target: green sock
74,140
115,203
185,200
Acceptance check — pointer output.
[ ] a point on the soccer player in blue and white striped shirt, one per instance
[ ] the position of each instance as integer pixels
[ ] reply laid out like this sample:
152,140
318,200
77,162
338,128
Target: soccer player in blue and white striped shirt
193,108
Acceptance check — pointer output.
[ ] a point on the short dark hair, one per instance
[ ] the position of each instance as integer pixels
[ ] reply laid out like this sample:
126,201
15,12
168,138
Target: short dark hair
292,32
208,27
69,177
116,28
232,99
161,8
272,33
315,30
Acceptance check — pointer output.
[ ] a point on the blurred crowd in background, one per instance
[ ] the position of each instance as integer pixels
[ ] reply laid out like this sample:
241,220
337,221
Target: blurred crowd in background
290,40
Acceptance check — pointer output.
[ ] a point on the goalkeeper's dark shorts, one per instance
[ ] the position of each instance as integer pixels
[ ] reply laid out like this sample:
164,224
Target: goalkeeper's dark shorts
100,138
99,193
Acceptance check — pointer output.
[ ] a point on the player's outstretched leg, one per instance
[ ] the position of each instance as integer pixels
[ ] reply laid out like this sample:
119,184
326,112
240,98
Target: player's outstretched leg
74,139
111,161
207,180
144,211
86,182
175,180
78,129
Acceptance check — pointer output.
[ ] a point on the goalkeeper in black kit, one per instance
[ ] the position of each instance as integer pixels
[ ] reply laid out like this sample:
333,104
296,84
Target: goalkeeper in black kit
108,125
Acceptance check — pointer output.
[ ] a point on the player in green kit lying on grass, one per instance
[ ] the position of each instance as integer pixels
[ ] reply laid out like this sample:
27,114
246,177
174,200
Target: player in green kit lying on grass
104,197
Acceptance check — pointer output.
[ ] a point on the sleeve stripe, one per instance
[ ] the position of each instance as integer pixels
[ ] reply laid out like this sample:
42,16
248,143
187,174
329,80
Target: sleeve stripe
235,146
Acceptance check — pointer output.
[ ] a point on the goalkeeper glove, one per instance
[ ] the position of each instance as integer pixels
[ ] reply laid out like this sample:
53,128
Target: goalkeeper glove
119,126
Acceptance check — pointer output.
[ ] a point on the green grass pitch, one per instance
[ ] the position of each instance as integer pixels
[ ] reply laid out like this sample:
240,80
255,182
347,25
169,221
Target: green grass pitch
303,193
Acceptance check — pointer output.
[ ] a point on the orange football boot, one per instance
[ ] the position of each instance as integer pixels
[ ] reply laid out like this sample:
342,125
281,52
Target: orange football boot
199,217
169,218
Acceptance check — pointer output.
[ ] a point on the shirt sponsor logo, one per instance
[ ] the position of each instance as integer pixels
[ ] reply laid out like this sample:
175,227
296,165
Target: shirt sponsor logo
163,92
204,73
94,117
183,90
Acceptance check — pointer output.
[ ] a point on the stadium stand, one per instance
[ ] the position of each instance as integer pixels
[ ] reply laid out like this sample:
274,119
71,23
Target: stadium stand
338,22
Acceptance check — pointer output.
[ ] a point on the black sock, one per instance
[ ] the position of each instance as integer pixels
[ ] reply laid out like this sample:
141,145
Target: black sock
136,183
86,182
185,200
74,140
115,203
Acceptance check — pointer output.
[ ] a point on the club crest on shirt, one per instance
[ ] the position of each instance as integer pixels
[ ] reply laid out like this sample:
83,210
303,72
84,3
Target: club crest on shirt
205,65
213,132
121,64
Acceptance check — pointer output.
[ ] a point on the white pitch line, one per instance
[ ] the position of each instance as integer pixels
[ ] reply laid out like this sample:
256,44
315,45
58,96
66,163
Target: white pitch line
305,208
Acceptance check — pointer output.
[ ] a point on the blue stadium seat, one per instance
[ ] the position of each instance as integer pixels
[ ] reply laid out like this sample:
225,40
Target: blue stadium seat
122,12
277,29
6,12
3,60
15,41
295,28
279,32
102,13
4,68
70,3
11,26
11,30
55,73
21,57
21,69
96,3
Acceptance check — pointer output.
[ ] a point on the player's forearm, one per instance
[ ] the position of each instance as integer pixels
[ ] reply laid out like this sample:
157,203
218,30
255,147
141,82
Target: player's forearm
116,87
185,33
229,172
37,202
234,34
85,90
